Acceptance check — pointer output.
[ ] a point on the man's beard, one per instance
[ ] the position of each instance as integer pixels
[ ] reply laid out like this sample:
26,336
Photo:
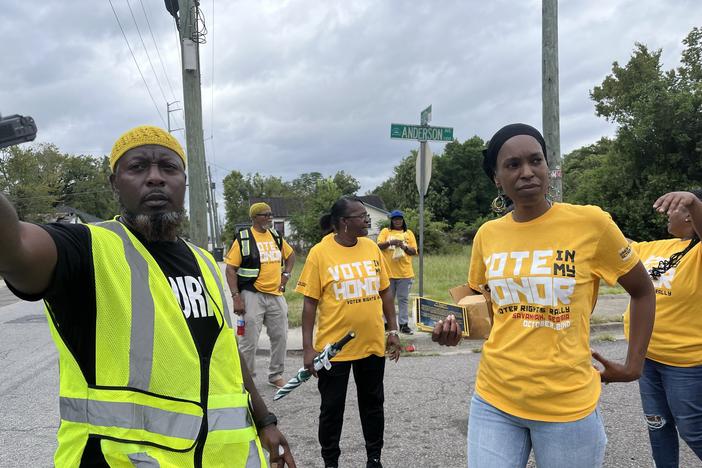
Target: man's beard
157,226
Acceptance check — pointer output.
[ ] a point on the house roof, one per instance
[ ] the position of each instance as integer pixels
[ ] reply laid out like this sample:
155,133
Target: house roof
280,206
85,217
373,200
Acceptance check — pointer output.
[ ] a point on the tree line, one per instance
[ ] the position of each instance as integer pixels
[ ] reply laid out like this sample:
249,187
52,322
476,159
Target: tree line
38,178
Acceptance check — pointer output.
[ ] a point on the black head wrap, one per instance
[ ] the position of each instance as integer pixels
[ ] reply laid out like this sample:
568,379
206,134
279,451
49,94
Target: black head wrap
499,139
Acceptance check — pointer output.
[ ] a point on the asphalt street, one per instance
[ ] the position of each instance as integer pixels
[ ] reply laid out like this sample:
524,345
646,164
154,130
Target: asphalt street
426,406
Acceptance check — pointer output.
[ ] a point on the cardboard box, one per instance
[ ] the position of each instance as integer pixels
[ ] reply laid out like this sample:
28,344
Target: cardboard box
478,310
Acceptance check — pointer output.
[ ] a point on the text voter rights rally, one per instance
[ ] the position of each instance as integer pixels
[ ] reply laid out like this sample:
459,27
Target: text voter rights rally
157,341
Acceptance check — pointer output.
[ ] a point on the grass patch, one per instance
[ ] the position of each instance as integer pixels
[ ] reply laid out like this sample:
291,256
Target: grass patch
442,272
607,289
606,319
605,337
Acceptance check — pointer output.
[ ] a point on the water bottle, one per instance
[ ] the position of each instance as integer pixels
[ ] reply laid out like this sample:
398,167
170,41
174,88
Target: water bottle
240,326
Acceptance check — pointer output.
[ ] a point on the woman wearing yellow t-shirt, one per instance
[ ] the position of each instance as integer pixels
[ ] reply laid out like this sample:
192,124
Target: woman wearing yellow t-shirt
671,382
346,287
398,245
536,386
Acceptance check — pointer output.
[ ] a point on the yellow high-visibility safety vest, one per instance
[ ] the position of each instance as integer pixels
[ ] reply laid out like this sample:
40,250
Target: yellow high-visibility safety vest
145,407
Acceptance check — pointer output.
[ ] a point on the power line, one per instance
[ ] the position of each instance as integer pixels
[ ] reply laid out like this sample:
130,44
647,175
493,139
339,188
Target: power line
136,63
148,57
158,52
160,58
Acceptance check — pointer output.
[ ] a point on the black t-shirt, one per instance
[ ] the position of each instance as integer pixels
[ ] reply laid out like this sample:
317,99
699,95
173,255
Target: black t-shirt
71,293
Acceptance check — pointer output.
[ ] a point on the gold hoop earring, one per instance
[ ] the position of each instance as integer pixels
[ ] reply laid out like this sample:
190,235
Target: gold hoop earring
499,204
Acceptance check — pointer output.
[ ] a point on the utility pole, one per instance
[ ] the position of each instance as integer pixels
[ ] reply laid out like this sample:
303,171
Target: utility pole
549,94
211,218
215,216
192,100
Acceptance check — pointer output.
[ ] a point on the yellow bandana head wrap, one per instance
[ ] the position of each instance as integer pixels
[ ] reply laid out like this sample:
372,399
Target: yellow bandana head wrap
258,208
144,135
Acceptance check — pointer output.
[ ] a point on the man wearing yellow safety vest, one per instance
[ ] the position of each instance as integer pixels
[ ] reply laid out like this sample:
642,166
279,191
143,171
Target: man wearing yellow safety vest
149,369
259,265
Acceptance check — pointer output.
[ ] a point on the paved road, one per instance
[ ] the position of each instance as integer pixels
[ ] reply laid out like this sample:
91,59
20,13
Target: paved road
426,406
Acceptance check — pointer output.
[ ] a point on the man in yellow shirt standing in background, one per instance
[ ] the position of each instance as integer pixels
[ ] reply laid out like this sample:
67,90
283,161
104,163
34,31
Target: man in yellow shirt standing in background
259,264
398,245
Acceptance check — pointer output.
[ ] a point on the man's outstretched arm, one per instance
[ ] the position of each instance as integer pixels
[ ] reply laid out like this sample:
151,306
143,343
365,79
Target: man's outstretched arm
27,252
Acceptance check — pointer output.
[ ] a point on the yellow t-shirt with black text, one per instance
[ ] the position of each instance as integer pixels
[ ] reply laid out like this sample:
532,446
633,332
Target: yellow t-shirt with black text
677,330
398,261
268,280
543,277
346,282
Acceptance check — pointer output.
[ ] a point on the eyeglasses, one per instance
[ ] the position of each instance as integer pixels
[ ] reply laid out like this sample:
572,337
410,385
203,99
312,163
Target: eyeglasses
267,215
364,216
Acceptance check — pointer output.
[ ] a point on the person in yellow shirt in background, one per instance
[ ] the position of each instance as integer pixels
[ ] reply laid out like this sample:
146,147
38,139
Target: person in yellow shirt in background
536,386
259,264
671,382
398,245
346,287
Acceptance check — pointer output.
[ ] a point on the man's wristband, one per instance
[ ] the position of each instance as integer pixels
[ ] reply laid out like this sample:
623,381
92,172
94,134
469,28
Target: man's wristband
286,274
267,420
235,293
391,332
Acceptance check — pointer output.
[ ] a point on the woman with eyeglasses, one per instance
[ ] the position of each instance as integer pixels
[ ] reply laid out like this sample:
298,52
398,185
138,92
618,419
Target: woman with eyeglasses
671,382
346,287
542,263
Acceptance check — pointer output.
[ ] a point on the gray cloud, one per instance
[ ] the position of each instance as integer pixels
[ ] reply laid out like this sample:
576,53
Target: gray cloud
304,86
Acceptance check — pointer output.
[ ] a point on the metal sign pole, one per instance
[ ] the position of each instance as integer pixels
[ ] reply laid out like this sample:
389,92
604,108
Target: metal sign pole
422,179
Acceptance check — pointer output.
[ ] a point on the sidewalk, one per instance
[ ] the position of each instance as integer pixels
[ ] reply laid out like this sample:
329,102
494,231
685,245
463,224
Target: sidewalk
607,318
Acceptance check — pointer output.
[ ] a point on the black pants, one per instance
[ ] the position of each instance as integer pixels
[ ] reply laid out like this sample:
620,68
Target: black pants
368,374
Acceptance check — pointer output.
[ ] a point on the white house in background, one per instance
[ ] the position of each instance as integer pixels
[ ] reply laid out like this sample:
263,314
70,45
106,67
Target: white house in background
376,209
282,209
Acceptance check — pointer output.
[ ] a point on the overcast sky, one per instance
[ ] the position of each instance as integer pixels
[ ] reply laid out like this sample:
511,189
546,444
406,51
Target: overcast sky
301,86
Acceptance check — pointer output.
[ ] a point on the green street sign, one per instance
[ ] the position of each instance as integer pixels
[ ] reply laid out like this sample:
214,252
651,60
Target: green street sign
421,133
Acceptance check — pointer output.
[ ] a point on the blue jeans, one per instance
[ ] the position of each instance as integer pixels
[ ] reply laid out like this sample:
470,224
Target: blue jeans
400,288
671,398
499,440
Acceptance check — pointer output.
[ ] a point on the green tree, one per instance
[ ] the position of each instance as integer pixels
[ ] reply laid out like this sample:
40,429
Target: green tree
321,196
37,178
467,191
348,184
85,186
657,146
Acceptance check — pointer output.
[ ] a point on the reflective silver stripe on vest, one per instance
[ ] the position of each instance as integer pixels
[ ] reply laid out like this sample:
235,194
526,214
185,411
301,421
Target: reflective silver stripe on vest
227,419
143,460
141,345
130,416
248,272
254,460
245,247
213,270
